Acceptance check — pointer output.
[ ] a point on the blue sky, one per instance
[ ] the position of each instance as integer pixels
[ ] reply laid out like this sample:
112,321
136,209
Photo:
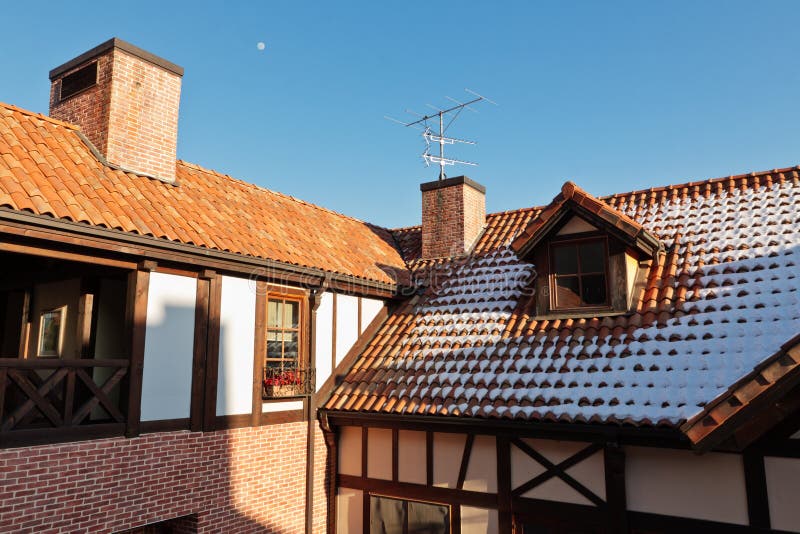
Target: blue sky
613,95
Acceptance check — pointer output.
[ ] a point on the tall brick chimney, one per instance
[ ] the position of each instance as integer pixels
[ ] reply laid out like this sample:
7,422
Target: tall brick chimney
125,101
453,215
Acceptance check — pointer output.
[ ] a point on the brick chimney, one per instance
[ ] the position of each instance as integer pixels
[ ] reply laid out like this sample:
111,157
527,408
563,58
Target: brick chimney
453,215
125,101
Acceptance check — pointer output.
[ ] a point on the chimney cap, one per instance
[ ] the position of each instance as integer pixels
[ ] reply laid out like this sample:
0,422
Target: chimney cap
447,182
125,46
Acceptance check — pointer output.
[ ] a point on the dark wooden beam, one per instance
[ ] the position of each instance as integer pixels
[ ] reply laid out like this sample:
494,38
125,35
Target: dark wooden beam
259,352
429,458
616,499
136,323
199,353
504,505
212,353
418,492
462,471
755,480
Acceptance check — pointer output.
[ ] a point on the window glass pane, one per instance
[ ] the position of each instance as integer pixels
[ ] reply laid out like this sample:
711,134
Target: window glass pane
274,313
290,347
292,317
274,344
594,289
426,518
386,516
567,292
593,257
565,259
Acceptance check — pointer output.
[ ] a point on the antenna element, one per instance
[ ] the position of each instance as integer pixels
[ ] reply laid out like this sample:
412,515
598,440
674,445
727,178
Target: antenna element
439,137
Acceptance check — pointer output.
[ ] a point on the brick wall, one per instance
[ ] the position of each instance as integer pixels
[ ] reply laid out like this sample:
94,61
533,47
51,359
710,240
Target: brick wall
243,480
131,115
453,215
88,109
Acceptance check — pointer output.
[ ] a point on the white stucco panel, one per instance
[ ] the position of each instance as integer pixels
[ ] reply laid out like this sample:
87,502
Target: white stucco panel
411,456
482,467
448,450
347,327
684,484
236,345
369,310
323,340
379,453
349,511
350,451
168,347
478,520
783,488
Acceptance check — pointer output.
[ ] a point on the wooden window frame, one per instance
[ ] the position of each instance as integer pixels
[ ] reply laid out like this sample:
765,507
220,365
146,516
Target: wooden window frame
575,240
61,311
265,292
405,500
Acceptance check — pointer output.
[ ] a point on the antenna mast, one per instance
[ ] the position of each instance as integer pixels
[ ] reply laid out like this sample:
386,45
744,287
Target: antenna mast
439,137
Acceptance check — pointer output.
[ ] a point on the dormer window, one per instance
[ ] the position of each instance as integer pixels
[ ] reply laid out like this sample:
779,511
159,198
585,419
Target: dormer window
591,259
579,273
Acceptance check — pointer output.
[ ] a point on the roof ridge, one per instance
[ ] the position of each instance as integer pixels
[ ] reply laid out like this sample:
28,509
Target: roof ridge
278,193
40,116
699,182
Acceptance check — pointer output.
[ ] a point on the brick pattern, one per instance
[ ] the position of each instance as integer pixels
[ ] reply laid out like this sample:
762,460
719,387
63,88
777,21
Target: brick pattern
89,109
452,218
322,481
131,115
243,480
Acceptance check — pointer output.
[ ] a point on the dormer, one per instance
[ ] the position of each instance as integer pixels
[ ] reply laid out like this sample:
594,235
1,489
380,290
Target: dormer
590,258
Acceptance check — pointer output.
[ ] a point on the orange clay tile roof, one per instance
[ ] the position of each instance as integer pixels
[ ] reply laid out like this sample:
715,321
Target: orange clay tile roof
573,198
722,299
47,169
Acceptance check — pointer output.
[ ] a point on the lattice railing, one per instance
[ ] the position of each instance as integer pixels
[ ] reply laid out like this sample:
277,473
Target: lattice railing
56,393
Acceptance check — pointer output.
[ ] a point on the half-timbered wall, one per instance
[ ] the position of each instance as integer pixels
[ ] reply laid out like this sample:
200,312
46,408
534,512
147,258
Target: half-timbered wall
169,342
476,474
236,338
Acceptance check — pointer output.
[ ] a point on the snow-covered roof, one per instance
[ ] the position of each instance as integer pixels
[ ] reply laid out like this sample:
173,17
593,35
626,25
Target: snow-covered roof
722,299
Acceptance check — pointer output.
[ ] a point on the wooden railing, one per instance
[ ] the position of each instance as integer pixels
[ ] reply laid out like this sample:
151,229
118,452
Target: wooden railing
289,382
59,394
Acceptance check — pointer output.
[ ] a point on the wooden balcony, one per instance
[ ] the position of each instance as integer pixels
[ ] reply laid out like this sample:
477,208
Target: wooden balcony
288,382
44,398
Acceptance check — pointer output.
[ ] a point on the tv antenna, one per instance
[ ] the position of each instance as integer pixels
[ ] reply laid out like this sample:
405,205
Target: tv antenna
432,137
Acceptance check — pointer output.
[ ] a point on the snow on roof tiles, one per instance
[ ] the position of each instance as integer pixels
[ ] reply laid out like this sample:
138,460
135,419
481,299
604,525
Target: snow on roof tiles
722,299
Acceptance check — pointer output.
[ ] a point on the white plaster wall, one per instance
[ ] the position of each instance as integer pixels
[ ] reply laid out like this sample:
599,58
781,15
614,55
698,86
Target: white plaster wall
482,469
478,520
168,347
783,488
379,453
411,457
684,484
369,309
236,345
349,511
347,328
350,450
576,225
324,339
448,449
281,406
